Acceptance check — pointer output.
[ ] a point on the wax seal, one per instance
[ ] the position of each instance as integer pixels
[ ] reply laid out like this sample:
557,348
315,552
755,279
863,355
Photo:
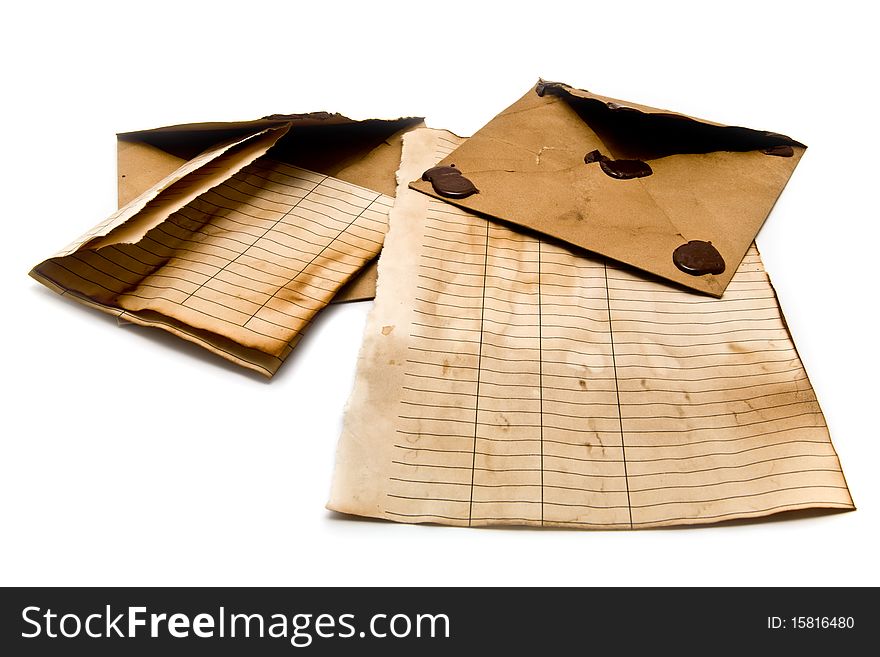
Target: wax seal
593,156
449,182
779,151
697,258
619,169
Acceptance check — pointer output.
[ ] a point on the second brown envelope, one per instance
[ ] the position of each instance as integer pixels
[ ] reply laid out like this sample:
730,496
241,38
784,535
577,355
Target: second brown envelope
214,248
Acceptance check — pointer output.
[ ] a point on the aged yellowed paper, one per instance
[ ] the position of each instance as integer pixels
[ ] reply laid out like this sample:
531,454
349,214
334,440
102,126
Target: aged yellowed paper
505,379
235,251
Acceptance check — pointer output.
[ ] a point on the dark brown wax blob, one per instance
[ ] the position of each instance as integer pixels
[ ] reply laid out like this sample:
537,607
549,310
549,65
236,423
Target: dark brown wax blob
593,156
449,182
626,169
439,171
620,169
697,258
779,151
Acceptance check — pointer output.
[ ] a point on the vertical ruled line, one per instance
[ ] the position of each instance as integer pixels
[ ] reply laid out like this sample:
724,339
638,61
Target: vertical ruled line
541,380
317,255
617,392
244,252
479,371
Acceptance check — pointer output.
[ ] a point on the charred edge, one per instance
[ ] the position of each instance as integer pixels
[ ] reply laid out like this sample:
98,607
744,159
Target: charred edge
318,116
553,88
633,133
783,150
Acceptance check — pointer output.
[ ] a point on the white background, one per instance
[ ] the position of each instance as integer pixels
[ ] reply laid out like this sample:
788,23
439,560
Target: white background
130,457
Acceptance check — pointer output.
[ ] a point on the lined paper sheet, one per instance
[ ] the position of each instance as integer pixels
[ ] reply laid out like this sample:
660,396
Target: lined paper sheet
241,267
508,380
257,256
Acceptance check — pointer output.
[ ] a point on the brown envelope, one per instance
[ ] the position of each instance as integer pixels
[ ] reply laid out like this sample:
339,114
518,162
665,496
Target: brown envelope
144,157
708,182
210,251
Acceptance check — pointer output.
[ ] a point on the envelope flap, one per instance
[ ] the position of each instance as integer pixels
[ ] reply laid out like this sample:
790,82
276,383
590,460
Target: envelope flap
707,182
189,139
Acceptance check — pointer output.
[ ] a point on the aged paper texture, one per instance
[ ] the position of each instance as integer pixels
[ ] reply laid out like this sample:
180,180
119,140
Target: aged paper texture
505,379
234,251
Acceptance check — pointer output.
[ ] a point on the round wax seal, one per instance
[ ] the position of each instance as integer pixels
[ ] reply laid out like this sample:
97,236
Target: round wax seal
449,182
698,258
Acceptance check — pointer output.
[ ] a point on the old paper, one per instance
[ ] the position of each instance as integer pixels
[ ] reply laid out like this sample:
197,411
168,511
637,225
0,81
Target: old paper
708,182
505,379
235,251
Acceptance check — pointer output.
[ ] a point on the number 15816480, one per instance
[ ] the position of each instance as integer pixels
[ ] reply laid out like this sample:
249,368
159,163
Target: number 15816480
811,623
